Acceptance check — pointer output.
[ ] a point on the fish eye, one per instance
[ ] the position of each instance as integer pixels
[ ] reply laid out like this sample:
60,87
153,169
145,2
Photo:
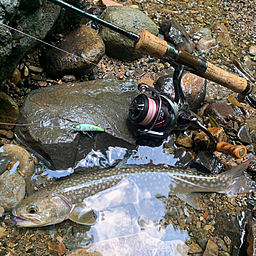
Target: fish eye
78,126
32,209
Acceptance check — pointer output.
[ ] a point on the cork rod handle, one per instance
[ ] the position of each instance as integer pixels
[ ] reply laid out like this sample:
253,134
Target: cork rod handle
157,47
238,151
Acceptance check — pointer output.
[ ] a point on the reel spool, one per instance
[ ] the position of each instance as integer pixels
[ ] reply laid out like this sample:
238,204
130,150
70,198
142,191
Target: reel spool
157,116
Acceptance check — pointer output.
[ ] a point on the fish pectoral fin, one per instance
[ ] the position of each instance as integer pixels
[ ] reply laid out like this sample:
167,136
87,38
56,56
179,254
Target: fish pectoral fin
83,215
193,199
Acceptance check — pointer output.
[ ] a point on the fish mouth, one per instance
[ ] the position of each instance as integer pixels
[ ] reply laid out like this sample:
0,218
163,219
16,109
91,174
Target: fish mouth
23,221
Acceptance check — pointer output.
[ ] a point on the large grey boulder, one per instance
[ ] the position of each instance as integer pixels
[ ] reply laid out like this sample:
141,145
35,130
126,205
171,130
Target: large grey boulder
131,19
36,24
53,110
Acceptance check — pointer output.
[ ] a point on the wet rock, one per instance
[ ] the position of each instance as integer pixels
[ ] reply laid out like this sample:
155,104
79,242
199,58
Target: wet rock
252,50
20,156
185,157
12,189
185,141
203,141
194,248
44,17
220,112
8,134
10,8
177,35
57,249
16,76
243,135
82,41
4,163
31,5
207,162
6,43
211,249
206,43
118,46
201,33
193,86
103,103
9,111
68,78
223,36
35,69
250,238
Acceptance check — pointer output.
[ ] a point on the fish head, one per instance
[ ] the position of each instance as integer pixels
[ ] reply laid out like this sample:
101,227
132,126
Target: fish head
41,209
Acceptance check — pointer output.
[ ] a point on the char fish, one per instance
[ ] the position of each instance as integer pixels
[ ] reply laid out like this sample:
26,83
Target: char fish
65,199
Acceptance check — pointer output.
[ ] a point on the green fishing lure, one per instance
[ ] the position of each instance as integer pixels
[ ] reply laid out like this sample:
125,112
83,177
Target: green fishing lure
85,127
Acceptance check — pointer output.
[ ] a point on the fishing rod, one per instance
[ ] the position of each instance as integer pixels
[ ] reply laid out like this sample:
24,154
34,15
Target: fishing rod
147,43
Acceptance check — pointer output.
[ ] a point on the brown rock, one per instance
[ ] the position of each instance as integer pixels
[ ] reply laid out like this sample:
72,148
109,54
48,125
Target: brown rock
193,86
16,76
9,111
252,49
251,228
202,140
35,69
222,33
194,248
211,249
220,112
57,249
185,141
206,43
82,41
83,252
8,134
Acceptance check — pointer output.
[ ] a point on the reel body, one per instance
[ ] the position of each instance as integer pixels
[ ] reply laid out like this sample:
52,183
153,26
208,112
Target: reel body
156,116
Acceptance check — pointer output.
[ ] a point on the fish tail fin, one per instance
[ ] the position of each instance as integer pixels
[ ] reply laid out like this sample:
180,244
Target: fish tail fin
238,171
240,182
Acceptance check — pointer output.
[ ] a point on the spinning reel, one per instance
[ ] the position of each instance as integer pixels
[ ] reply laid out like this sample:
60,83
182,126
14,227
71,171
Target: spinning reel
159,115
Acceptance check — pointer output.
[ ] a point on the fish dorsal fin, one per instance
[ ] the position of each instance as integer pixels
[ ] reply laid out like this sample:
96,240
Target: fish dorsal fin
81,214
237,171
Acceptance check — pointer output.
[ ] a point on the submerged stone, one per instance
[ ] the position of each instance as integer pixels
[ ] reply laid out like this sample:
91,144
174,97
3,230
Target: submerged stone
53,110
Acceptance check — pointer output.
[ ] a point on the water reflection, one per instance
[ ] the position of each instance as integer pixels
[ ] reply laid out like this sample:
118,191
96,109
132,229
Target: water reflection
128,213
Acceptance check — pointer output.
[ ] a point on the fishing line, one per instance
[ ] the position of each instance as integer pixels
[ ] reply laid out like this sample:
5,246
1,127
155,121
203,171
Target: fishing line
51,45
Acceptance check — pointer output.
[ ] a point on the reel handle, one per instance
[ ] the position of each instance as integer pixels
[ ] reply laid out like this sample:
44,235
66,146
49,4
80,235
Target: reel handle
159,48
239,151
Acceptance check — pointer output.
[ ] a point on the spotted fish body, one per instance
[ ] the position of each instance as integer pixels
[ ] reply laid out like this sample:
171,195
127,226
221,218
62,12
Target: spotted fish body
56,202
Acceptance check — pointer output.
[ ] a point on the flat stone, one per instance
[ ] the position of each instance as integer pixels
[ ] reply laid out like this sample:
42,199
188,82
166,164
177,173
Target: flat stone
35,69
